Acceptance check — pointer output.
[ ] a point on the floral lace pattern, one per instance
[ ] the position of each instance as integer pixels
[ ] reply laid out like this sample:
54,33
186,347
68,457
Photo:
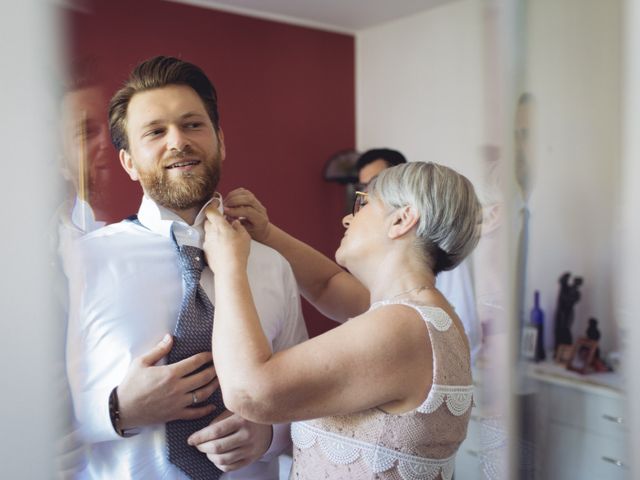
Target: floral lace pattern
459,398
434,315
343,451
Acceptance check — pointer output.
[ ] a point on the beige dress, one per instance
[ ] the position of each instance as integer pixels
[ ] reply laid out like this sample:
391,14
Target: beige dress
420,444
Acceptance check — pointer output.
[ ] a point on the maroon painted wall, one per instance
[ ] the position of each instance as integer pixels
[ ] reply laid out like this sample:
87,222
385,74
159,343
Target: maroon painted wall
286,98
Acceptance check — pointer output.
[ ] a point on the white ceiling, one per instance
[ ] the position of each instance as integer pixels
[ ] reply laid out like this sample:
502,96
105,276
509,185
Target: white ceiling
347,16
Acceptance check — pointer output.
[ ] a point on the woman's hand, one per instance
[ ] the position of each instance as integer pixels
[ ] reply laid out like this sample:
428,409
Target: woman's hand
242,205
225,244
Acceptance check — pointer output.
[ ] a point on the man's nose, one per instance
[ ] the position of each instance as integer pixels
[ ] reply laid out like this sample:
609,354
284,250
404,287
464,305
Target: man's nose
104,140
177,139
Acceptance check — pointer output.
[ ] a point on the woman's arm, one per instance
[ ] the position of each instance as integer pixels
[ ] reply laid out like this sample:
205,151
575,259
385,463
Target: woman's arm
333,291
380,358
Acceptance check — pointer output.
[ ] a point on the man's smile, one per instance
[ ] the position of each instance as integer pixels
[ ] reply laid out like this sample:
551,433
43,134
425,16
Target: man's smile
183,164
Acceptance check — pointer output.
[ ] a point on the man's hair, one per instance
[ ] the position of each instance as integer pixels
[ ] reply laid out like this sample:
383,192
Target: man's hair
392,157
450,213
154,73
80,74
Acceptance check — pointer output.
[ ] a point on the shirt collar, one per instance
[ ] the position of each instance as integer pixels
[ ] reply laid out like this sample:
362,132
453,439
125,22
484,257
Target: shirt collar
160,220
82,216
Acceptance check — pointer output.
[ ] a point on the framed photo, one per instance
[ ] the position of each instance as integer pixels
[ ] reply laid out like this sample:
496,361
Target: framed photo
564,354
583,352
529,339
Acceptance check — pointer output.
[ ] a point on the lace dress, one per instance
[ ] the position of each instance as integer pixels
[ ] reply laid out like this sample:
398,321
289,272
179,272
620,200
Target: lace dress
420,444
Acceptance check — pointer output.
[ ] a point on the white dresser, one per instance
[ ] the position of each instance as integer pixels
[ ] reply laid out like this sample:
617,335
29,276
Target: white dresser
582,432
580,428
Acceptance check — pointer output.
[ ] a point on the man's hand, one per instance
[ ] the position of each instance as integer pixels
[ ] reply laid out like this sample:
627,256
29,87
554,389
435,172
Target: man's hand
151,394
241,204
231,442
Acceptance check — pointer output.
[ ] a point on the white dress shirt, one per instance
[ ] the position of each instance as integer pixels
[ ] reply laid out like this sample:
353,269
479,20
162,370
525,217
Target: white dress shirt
126,289
457,287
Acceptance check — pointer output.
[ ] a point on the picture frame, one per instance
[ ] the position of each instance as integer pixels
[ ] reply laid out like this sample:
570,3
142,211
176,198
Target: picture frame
528,342
564,354
583,353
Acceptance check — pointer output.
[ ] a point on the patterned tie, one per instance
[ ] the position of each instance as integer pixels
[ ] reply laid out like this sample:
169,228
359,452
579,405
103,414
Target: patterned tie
192,335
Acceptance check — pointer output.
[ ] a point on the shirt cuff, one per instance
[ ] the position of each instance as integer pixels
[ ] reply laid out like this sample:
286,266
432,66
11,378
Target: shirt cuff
92,412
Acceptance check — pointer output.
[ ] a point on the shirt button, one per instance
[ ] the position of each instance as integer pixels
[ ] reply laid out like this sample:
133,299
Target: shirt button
189,232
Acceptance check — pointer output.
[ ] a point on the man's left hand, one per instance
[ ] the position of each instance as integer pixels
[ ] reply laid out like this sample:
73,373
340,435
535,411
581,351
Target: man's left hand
231,442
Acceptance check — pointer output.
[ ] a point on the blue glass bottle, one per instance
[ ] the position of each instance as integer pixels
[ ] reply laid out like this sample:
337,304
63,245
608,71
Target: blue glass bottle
537,320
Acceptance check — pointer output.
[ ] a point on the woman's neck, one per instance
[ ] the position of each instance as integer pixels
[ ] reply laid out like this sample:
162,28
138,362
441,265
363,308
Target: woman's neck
398,279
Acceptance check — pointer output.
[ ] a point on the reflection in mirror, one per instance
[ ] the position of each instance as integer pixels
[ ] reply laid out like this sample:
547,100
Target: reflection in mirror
566,135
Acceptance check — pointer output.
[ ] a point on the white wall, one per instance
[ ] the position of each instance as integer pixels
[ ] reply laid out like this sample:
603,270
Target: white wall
419,85
421,89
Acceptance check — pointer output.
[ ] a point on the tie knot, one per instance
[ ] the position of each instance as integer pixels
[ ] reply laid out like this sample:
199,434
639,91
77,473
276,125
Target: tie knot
192,258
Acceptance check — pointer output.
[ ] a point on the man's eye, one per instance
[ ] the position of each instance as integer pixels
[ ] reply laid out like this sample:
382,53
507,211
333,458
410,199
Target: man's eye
194,125
153,133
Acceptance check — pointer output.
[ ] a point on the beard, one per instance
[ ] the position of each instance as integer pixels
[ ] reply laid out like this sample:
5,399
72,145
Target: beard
184,191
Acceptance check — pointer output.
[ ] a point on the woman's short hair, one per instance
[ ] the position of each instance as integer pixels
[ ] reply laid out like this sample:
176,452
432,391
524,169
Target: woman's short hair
450,213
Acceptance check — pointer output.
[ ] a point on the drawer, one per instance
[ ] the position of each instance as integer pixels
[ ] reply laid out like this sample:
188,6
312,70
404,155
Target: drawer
575,453
596,413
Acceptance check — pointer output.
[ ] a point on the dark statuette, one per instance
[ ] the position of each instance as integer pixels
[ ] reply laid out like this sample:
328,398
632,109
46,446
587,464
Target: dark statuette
568,296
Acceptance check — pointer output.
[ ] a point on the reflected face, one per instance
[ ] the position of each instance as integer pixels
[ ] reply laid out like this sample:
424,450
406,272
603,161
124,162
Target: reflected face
85,136
371,170
364,235
174,150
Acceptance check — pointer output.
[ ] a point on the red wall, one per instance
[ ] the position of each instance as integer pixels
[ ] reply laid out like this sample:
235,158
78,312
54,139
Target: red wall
286,99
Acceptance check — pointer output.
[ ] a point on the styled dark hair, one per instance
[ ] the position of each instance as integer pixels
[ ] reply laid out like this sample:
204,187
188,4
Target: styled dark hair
392,157
159,72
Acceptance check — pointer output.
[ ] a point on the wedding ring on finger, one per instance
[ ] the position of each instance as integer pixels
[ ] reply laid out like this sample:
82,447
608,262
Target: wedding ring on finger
194,398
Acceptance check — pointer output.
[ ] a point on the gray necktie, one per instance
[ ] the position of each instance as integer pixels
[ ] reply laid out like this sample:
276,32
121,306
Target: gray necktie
192,335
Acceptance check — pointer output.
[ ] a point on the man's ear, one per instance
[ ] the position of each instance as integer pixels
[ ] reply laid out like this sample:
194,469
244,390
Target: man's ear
402,220
223,150
127,163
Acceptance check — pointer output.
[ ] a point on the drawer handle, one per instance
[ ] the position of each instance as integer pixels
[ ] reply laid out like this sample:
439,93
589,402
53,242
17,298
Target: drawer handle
614,419
617,463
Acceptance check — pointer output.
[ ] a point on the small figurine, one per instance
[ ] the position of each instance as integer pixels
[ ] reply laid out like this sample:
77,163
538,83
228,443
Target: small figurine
593,333
592,330
568,296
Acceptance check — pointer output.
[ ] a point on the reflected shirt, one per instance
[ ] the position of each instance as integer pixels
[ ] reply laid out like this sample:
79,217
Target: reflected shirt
125,292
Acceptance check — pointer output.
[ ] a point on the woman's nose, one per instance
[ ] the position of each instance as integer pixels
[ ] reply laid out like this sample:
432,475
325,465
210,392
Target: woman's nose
346,221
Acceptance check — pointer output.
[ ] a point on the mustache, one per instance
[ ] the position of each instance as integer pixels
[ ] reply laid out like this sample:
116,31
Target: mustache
176,155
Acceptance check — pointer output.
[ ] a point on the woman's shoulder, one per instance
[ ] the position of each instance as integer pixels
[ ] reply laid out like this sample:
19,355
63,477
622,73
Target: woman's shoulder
433,313
399,326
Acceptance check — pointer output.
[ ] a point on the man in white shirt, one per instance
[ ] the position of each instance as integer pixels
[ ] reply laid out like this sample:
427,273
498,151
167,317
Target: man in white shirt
457,284
126,289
